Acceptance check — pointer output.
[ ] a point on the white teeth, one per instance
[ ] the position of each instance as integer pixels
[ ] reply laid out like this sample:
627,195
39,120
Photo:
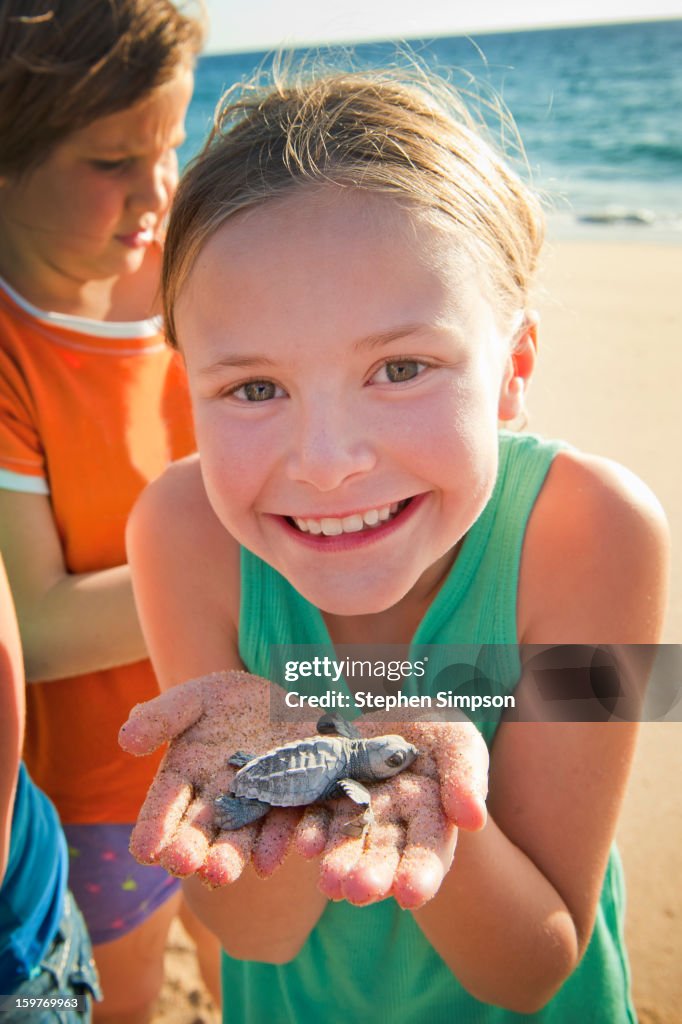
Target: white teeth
331,526
352,524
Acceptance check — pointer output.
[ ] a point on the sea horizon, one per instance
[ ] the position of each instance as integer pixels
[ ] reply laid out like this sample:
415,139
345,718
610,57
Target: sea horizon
597,108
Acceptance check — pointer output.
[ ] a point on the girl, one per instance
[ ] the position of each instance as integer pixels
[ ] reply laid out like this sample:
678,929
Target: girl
93,405
347,277
44,946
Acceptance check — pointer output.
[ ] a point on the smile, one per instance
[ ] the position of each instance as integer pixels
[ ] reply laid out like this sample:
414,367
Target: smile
331,526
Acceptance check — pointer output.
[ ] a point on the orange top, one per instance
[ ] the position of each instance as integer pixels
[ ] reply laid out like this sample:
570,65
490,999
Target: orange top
90,412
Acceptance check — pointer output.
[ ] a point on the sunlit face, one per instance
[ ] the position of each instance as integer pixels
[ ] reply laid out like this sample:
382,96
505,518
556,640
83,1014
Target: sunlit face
95,205
346,373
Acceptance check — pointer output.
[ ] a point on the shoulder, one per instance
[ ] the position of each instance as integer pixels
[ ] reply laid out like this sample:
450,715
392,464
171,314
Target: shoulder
595,555
174,526
185,569
179,487
177,501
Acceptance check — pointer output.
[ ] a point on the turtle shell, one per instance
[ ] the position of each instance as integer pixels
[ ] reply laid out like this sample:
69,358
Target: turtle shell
295,774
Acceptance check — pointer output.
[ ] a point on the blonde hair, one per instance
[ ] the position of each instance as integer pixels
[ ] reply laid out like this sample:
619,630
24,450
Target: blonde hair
373,131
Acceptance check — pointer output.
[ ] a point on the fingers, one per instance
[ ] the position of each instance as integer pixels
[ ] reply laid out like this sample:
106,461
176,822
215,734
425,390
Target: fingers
223,694
341,853
274,840
162,718
405,853
163,810
228,856
187,851
310,838
429,846
371,876
361,870
462,759
266,844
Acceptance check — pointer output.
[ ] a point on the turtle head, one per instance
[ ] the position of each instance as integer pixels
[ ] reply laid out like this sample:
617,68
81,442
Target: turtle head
388,755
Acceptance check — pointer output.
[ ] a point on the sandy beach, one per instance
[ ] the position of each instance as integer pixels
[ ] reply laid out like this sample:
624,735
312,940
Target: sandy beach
608,381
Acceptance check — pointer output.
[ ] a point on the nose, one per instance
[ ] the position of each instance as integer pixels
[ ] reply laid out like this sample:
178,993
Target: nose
154,186
329,447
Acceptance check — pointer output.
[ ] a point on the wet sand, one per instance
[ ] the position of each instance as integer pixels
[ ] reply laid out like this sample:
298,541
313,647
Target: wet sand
608,380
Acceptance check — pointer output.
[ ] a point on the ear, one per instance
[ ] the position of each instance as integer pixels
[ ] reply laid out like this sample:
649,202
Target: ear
518,371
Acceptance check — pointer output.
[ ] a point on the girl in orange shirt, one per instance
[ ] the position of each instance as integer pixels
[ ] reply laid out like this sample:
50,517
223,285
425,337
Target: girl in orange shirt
93,96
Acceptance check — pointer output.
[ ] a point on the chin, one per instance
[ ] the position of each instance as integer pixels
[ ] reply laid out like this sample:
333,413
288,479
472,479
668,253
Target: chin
356,600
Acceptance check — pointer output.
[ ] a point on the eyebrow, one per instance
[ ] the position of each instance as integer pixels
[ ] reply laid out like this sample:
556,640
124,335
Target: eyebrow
369,342
372,341
125,148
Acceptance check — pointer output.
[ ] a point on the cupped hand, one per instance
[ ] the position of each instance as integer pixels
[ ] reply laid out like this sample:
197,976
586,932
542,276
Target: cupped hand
206,720
406,851
411,843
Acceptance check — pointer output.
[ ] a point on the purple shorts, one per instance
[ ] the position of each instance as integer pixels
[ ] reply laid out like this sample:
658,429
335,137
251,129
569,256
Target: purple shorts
114,893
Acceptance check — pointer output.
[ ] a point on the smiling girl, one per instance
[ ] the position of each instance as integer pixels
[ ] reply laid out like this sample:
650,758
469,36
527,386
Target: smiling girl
348,278
93,96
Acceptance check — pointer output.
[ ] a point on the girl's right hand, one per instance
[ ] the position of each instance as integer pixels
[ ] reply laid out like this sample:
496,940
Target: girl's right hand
407,851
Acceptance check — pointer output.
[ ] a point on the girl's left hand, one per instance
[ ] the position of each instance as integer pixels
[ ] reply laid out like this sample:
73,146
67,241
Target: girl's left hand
411,843
405,853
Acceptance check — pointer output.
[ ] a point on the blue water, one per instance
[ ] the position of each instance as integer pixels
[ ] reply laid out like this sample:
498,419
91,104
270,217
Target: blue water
599,110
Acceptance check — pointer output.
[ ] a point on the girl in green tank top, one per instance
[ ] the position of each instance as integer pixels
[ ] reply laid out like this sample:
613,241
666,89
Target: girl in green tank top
347,274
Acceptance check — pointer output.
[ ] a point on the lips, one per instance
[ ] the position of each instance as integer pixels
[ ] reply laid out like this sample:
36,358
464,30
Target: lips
137,239
331,531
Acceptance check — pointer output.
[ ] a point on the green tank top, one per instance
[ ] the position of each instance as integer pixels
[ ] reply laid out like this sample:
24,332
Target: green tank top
373,964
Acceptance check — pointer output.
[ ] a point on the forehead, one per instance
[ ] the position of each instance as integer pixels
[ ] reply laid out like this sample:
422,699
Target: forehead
155,120
327,266
334,243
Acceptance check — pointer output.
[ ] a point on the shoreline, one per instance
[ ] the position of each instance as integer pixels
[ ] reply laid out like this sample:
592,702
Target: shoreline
563,228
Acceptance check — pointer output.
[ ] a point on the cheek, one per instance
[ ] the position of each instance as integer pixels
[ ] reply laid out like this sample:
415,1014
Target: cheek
236,461
99,204
457,421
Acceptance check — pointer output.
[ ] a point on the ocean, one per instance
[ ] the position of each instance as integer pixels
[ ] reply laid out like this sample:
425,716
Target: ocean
598,108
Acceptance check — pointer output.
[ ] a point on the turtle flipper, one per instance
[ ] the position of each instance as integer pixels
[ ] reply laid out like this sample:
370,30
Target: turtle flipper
232,812
332,724
357,826
239,758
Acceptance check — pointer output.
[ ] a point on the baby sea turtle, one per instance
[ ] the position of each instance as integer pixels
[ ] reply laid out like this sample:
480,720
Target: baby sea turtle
333,764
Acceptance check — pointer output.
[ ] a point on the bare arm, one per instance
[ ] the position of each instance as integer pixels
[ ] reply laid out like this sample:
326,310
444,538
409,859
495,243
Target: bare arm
187,589
12,714
70,623
516,911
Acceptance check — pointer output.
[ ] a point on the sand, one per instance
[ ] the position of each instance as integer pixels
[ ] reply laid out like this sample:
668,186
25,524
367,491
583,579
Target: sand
608,380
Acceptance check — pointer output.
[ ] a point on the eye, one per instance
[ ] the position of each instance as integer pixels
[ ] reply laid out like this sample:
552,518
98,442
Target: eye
111,166
257,391
397,371
396,760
